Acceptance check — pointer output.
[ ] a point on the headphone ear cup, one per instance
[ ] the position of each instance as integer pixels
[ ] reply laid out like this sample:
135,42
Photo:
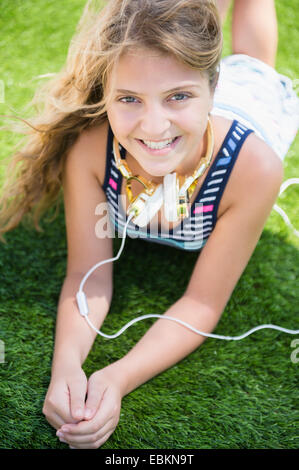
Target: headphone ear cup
171,197
151,205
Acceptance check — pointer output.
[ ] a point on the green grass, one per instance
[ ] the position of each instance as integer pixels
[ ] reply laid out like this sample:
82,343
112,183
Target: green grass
224,395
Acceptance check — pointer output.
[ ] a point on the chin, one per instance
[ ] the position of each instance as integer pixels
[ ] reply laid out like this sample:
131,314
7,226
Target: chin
159,169
160,173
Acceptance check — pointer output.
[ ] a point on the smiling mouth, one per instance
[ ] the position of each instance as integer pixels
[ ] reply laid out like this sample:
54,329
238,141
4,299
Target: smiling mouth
159,145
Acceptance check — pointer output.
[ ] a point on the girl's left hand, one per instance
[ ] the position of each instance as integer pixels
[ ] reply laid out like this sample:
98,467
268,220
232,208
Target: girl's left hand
101,415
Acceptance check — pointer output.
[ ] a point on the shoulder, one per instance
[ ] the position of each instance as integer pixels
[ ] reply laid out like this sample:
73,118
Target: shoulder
89,151
257,174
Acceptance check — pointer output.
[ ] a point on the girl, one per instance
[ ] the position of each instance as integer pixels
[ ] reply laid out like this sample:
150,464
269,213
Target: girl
138,119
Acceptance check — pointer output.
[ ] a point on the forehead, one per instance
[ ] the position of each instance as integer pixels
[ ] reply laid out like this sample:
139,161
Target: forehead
144,70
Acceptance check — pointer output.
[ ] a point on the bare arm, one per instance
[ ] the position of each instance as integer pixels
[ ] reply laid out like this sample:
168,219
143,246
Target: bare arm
74,338
82,194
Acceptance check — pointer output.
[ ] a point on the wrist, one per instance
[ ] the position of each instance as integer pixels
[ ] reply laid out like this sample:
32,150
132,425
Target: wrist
117,373
66,362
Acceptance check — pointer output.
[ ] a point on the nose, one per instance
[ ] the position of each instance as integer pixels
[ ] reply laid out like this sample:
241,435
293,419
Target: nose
154,122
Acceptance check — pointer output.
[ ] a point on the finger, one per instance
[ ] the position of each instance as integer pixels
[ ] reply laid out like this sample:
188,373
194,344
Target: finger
77,390
82,428
92,445
109,408
95,393
102,416
55,420
82,439
56,408
61,437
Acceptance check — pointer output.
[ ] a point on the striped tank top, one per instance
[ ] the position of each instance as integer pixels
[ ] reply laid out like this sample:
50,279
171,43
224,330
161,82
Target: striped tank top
193,231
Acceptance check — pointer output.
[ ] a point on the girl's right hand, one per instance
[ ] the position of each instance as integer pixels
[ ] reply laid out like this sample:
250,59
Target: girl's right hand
65,399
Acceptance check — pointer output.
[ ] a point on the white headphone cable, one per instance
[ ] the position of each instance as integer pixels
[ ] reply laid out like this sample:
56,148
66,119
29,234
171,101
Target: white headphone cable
84,311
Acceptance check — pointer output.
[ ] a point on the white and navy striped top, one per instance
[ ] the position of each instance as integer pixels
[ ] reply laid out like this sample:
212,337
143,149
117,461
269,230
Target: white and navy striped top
193,232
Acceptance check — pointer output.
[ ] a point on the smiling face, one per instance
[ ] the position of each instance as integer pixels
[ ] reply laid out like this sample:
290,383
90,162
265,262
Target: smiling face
158,111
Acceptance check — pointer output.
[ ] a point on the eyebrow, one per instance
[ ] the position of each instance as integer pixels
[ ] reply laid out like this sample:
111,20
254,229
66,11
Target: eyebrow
181,87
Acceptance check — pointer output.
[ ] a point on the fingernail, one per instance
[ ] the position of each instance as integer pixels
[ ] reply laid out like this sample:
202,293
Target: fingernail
64,430
88,413
59,434
78,412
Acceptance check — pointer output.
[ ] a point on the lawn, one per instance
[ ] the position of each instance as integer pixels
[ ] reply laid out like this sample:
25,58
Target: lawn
228,395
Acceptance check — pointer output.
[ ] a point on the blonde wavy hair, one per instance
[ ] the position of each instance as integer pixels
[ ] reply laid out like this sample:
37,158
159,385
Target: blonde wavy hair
76,98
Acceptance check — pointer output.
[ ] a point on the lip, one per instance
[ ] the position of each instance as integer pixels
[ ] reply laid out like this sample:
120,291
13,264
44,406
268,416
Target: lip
159,152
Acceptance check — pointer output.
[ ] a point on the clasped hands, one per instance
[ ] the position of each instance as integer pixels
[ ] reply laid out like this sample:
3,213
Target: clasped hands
84,412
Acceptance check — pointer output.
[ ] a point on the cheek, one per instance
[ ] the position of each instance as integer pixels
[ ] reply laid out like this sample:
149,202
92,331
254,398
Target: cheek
192,122
194,117
122,122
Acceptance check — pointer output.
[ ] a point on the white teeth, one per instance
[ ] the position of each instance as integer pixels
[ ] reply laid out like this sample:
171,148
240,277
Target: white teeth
158,145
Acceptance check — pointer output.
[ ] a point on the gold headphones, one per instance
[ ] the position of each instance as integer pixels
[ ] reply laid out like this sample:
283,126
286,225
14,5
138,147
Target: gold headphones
175,197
